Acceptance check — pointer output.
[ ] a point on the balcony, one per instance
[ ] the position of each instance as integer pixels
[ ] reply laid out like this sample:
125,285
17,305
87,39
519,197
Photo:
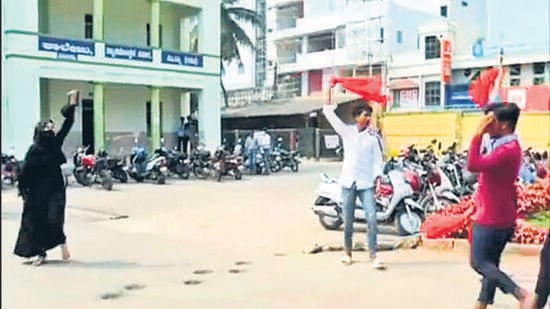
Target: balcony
37,46
308,25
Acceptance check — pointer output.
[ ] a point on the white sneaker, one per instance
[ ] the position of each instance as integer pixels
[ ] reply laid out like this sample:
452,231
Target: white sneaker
378,264
346,259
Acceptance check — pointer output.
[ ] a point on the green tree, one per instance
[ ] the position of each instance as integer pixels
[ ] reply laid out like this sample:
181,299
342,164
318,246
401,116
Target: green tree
233,35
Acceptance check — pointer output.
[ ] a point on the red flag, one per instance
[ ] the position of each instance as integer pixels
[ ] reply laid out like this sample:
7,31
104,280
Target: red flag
481,88
369,88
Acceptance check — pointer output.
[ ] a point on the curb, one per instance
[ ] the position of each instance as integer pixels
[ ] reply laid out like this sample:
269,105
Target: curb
462,245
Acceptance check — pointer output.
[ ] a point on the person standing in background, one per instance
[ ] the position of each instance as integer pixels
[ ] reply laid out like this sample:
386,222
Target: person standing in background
192,132
183,139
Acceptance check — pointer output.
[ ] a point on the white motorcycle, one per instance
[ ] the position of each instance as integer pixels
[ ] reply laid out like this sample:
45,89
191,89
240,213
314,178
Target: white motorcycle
394,204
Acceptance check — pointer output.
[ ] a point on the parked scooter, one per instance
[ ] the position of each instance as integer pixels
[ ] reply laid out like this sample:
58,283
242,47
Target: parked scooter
394,204
142,167
177,162
116,166
90,170
226,165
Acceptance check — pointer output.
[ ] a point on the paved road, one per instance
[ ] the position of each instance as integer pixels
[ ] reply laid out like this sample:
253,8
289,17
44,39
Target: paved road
187,226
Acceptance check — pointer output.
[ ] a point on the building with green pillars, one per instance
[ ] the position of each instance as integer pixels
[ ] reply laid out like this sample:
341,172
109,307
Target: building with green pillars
140,64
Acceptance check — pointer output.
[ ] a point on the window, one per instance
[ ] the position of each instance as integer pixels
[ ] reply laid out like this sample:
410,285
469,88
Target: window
381,35
464,3
88,26
443,10
432,93
399,37
539,80
539,68
148,30
515,70
432,47
515,81
418,41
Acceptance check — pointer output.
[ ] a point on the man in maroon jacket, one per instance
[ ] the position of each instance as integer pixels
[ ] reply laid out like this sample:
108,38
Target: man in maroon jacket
495,217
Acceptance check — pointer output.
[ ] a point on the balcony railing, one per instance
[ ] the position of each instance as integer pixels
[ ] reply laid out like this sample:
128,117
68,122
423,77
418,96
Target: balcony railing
37,45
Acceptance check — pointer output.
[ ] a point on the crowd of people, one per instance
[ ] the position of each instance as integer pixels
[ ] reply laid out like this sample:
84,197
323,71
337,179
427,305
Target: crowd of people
495,153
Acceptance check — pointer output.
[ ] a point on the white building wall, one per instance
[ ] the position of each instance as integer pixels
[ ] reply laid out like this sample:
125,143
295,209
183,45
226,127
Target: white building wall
66,18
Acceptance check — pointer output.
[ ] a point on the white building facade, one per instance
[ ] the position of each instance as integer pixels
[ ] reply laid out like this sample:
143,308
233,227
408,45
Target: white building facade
140,66
311,40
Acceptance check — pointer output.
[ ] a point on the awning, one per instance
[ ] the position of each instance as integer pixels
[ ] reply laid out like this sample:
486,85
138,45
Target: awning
403,83
286,107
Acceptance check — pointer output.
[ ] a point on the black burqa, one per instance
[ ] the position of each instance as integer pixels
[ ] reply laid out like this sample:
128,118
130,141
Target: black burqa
42,187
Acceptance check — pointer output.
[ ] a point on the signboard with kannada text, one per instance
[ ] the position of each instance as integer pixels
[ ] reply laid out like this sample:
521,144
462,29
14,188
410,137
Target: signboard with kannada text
183,59
128,53
65,48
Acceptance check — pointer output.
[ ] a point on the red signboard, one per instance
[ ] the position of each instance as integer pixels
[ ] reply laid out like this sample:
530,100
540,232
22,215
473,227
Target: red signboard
446,54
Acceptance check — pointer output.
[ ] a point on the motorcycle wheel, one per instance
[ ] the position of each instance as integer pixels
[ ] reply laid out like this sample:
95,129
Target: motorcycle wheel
161,179
295,166
330,223
106,181
120,175
408,225
275,166
183,171
81,179
238,175
198,173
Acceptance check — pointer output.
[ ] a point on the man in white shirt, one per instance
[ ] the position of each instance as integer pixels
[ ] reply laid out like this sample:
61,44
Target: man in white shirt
362,165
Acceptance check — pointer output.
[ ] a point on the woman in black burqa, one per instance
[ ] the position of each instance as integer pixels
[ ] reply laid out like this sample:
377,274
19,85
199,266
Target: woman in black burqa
42,187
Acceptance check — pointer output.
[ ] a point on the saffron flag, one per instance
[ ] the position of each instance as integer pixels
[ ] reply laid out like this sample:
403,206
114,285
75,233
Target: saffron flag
481,88
369,88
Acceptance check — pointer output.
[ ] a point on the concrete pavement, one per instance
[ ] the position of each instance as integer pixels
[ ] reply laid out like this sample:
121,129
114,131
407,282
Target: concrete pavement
265,222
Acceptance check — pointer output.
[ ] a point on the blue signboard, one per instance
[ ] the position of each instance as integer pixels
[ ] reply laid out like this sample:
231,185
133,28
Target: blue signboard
128,53
65,48
184,59
459,98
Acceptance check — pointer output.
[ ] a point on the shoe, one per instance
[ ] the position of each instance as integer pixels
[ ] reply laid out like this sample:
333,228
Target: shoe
378,264
39,260
346,259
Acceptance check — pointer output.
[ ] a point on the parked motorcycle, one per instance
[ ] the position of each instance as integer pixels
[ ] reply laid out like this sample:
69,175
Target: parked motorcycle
177,162
394,204
142,167
201,162
116,166
281,158
90,170
11,168
226,165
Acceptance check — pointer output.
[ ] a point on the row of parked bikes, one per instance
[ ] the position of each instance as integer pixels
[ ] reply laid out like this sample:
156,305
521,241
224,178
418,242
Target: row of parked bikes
103,170
415,183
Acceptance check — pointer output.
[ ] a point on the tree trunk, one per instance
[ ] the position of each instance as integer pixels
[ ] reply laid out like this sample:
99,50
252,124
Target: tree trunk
224,92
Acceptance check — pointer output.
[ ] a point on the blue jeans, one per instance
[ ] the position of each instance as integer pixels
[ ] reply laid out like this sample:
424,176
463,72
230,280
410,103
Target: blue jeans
487,246
366,196
252,160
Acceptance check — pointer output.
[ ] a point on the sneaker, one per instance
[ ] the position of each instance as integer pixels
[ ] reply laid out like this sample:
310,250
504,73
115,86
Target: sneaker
378,264
346,259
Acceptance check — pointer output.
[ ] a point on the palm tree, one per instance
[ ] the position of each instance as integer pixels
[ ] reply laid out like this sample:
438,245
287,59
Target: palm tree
233,36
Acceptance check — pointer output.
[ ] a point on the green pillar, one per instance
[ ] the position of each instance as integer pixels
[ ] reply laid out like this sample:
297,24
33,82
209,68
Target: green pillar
155,118
155,23
99,116
98,20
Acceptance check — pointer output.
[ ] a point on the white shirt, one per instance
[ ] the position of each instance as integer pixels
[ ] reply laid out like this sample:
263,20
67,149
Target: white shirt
264,140
363,161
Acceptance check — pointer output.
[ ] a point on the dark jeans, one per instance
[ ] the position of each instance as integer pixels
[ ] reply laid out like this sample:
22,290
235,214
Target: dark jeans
487,246
543,282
